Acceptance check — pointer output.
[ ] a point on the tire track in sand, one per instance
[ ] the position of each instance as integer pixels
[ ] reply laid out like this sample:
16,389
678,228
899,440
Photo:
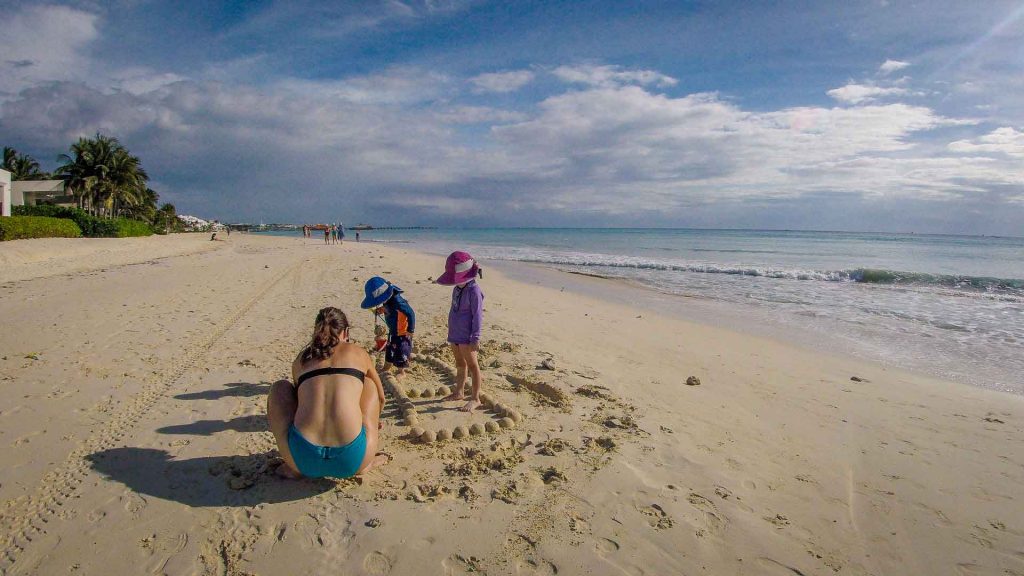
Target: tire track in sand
25,518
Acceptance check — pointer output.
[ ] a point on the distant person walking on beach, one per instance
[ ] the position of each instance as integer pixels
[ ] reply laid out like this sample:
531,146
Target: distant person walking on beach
357,235
465,318
327,235
326,423
341,233
385,299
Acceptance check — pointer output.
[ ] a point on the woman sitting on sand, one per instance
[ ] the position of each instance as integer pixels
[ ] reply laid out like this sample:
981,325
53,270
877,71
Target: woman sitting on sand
326,424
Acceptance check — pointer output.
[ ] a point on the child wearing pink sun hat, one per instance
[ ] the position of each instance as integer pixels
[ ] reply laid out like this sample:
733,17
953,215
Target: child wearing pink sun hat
465,317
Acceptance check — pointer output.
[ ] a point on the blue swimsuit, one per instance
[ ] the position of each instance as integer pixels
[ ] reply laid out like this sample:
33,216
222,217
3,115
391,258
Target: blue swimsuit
317,461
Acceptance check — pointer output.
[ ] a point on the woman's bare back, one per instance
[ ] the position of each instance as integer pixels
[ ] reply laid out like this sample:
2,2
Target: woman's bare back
329,410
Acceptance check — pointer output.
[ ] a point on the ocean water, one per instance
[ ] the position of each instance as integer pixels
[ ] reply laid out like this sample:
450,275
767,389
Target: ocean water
950,306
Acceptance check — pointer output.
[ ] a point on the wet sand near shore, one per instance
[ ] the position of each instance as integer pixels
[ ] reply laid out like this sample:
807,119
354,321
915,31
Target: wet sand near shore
136,441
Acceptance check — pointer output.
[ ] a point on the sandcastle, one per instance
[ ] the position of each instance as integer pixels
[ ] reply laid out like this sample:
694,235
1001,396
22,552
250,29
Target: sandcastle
502,416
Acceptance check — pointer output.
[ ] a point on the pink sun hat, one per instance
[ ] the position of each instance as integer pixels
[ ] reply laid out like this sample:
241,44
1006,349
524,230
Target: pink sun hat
458,268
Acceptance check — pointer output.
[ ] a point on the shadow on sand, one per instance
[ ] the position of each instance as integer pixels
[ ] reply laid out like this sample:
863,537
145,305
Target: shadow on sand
253,423
206,481
231,390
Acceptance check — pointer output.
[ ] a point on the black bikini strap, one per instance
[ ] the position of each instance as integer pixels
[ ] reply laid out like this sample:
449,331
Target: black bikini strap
321,371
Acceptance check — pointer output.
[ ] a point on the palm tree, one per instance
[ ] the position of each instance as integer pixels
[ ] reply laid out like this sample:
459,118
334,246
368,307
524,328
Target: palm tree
145,208
104,174
125,185
167,218
22,166
85,168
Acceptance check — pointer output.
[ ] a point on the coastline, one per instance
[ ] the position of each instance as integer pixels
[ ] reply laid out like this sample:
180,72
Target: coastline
943,317
696,309
778,462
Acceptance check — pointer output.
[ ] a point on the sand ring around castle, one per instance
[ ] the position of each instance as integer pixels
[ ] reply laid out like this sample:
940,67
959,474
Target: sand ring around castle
429,430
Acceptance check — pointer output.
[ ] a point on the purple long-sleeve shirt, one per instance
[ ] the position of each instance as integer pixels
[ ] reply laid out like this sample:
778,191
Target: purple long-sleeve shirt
466,314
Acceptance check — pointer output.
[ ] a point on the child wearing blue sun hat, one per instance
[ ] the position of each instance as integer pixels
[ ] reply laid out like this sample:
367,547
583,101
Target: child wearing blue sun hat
385,299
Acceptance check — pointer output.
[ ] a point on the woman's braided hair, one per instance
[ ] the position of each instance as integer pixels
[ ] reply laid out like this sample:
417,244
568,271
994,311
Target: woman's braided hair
330,324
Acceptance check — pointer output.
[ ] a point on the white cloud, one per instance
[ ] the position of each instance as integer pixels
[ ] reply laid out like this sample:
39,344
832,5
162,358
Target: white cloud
861,93
396,86
1005,140
139,81
332,20
403,136
501,81
890,66
608,76
624,149
478,115
45,43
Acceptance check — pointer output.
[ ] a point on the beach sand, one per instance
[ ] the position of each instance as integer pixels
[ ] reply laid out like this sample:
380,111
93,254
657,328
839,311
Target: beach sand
135,375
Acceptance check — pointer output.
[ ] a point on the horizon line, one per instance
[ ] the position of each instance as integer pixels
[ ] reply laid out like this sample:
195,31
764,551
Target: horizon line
442,227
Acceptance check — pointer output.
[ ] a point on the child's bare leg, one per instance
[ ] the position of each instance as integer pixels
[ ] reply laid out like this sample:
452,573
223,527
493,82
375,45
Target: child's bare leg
460,375
396,370
469,355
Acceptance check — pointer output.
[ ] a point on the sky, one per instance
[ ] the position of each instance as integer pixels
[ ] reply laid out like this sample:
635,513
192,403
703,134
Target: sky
880,115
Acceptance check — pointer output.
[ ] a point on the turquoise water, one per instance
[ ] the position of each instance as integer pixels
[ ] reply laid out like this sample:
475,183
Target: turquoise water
952,306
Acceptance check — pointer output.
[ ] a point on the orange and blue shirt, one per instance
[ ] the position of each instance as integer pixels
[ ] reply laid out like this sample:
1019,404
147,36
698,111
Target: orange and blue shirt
399,316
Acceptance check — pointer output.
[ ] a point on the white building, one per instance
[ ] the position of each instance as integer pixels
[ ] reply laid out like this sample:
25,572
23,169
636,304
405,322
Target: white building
32,192
5,193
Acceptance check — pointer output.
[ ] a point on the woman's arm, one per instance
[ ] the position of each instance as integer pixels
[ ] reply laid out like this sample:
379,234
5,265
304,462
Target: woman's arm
371,372
296,368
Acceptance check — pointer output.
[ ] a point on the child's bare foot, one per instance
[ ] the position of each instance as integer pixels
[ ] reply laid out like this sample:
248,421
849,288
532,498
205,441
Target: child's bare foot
457,394
473,404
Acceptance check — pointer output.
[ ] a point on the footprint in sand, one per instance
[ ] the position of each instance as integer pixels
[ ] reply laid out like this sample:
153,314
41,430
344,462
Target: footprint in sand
778,520
58,394
727,495
163,548
713,520
606,546
27,438
579,525
458,565
980,536
940,517
535,566
657,517
376,563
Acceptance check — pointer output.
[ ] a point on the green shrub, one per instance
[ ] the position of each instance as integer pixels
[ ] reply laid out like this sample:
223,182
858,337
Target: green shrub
46,210
125,228
19,227
90,226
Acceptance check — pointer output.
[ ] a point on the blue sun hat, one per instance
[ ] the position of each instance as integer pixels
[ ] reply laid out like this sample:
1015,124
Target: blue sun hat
378,291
